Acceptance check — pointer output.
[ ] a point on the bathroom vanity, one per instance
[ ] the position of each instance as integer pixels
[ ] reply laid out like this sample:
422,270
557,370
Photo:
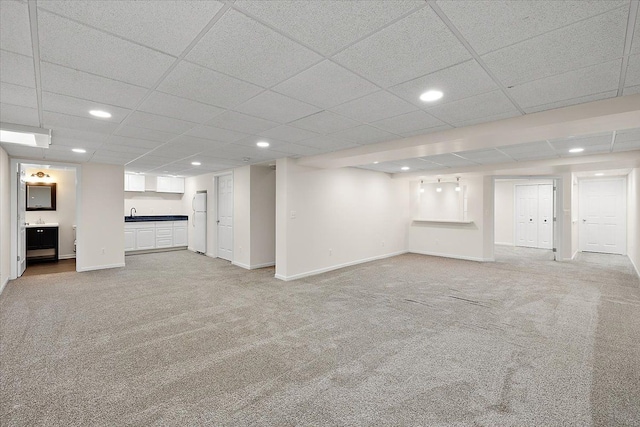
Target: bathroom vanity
42,242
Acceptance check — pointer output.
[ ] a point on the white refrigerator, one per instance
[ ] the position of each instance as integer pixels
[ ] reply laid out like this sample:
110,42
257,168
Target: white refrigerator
199,222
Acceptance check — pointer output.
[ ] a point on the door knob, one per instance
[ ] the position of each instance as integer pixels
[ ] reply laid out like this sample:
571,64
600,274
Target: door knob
530,219
545,220
584,220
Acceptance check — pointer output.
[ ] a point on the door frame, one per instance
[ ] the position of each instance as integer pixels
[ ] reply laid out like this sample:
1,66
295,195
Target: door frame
558,228
216,183
14,208
624,179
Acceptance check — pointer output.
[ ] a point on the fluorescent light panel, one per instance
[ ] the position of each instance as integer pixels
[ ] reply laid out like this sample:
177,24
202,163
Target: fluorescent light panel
25,135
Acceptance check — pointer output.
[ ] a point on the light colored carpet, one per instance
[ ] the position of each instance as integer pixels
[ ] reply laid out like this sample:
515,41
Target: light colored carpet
180,339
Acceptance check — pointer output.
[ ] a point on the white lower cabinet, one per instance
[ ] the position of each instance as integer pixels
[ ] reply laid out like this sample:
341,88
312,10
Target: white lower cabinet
154,235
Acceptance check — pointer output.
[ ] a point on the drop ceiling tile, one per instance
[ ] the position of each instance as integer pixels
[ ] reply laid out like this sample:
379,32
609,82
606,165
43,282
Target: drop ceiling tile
328,26
415,165
238,152
15,150
179,108
325,122
77,46
456,82
516,21
412,47
298,150
251,141
325,85
473,108
80,107
410,122
198,83
288,133
382,167
572,84
276,107
174,150
593,41
633,69
572,101
160,123
93,139
493,118
241,122
631,90
326,143
426,131
365,134
530,151
15,33
110,157
70,82
142,133
627,140
59,141
216,134
126,150
242,47
55,120
19,115
168,26
376,106
133,142
17,69
485,156
18,95
589,143
449,160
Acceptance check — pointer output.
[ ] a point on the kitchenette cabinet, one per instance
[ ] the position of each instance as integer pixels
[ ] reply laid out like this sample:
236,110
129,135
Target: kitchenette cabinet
155,233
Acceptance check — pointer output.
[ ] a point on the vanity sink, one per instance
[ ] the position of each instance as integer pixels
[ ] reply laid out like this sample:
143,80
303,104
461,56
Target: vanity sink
46,224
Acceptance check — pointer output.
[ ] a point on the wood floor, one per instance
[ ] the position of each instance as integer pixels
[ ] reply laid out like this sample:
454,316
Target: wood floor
62,266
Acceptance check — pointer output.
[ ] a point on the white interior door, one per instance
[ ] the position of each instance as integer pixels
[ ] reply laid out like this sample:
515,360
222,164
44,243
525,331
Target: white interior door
225,217
22,231
603,217
527,215
545,216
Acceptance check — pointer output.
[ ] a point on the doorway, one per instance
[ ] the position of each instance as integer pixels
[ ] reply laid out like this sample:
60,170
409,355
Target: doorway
224,218
43,228
603,215
524,219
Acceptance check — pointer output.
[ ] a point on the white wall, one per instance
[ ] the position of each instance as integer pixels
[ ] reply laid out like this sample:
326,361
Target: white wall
65,213
464,241
100,233
330,218
242,216
152,203
5,218
263,216
633,218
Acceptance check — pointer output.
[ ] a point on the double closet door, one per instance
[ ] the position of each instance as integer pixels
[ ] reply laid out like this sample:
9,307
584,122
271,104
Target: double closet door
534,216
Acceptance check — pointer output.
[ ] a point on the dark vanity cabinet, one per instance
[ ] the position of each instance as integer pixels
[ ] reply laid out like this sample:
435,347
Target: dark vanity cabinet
42,244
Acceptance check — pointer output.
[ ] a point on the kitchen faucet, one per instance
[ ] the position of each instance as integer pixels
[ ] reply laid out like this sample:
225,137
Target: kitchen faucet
132,211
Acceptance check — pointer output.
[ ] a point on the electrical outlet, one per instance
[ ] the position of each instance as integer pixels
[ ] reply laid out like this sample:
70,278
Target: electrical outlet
330,251
383,243
103,251
294,214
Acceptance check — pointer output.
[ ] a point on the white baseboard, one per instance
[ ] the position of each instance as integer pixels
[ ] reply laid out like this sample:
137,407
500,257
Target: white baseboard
254,266
4,283
69,256
503,244
155,250
462,257
100,267
336,267
634,266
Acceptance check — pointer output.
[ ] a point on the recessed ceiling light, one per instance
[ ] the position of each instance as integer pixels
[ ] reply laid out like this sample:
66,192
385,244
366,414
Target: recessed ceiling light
262,144
600,174
375,163
405,168
196,163
576,150
78,150
431,95
100,113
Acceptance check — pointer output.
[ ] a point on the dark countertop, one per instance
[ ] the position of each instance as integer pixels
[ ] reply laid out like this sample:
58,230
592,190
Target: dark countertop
143,218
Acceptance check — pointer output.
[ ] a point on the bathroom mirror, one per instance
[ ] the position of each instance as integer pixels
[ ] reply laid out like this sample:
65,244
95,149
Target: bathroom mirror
41,196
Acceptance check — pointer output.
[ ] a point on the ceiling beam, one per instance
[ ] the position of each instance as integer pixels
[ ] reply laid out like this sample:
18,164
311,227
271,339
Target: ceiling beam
584,119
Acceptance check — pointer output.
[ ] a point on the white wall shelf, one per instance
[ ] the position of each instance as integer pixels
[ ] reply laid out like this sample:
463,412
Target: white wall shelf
443,221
